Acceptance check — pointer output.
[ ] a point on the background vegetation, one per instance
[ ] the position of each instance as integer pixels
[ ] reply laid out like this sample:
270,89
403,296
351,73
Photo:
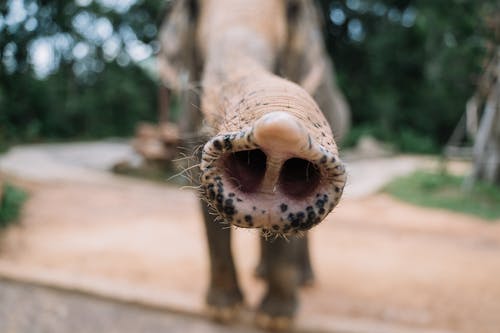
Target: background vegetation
11,201
407,67
79,69
71,69
443,190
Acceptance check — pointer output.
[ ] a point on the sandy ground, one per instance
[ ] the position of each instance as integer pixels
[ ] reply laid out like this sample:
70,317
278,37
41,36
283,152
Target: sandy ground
377,260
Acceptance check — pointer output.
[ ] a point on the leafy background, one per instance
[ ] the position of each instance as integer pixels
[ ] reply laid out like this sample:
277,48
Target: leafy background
83,69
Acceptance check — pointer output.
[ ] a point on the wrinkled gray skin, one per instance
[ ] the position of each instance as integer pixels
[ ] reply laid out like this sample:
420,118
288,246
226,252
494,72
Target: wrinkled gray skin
284,264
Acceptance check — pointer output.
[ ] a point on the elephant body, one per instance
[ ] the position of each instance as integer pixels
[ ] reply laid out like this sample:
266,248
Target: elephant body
267,105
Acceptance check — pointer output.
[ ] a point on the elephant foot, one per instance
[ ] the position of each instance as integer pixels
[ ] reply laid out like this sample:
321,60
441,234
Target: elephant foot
224,314
224,305
276,313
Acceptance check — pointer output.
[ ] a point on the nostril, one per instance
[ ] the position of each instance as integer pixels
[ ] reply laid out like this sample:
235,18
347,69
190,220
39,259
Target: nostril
299,178
246,169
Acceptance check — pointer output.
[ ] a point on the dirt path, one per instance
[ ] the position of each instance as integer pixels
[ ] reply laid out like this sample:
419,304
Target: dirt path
378,261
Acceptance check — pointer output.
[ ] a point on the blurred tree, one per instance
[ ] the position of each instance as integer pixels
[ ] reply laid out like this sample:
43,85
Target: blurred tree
483,113
407,67
72,68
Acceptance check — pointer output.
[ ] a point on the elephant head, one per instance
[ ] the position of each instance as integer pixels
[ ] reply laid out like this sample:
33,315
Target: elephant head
270,160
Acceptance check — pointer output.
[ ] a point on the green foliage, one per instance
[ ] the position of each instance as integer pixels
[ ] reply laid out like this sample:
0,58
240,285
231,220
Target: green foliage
410,66
359,131
407,67
406,139
62,107
96,93
11,202
410,140
442,190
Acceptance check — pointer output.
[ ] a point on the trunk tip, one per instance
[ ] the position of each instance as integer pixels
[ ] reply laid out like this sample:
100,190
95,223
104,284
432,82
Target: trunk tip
280,131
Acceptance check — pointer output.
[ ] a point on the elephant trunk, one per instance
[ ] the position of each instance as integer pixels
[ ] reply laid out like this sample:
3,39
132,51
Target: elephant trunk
272,162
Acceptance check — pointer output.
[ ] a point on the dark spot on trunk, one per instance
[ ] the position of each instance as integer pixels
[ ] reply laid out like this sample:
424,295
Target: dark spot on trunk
227,142
219,198
229,210
320,203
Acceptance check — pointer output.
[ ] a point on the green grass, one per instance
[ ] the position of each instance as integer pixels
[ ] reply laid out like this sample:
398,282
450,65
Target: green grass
442,190
11,202
404,140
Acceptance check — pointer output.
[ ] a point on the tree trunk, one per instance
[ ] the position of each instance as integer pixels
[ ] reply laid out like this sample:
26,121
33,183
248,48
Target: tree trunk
487,142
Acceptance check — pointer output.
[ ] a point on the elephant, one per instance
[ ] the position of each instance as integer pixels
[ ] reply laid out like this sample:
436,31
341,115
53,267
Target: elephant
259,90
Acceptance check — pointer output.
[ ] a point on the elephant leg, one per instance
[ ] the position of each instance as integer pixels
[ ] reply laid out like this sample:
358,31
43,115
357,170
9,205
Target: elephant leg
280,302
262,268
305,271
224,295
306,277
